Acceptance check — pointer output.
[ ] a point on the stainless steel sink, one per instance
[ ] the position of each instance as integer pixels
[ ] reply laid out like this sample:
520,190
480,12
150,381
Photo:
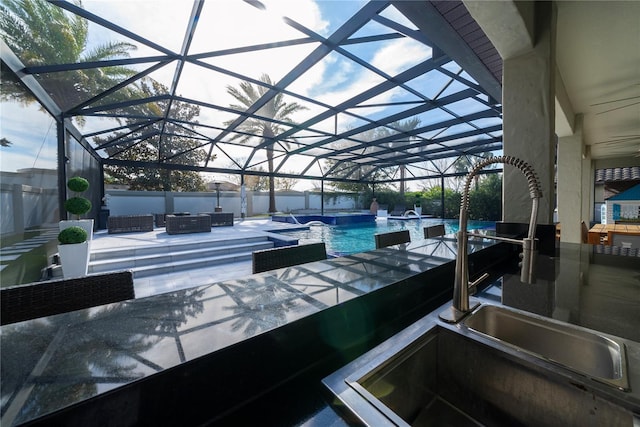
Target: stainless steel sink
447,377
578,349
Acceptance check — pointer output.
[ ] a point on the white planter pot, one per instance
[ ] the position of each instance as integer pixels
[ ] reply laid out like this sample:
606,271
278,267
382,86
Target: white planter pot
74,259
86,224
418,210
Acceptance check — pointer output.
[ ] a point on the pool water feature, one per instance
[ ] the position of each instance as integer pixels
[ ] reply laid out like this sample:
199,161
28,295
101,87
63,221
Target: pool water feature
354,238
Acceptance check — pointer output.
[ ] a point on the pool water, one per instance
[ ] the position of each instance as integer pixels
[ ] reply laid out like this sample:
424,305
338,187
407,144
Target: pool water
354,238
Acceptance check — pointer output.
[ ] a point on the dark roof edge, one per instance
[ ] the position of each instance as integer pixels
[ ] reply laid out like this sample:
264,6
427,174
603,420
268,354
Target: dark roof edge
429,21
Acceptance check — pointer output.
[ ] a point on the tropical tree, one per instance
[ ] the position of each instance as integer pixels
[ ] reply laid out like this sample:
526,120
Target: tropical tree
465,163
348,169
286,183
400,128
276,108
485,202
256,182
40,33
432,201
177,148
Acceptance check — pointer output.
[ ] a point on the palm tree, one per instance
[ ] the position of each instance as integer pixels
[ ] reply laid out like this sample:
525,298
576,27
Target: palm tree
402,128
276,108
40,33
465,163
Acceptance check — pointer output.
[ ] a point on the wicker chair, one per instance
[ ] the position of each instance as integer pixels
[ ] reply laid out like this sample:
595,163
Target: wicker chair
287,256
434,231
393,238
129,223
182,224
41,299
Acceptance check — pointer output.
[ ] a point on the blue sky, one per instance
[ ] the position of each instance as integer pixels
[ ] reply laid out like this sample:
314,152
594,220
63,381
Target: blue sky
226,24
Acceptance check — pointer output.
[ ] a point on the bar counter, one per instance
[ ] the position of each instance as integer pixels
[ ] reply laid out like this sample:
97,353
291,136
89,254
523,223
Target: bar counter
254,350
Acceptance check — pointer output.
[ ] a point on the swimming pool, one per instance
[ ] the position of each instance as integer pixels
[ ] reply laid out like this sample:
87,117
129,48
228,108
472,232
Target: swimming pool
353,238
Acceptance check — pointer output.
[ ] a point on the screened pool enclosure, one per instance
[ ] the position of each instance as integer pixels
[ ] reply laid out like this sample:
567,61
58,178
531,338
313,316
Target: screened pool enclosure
376,92
316,90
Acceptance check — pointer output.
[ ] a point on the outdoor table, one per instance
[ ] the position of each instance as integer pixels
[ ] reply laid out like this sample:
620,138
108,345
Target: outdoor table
598,232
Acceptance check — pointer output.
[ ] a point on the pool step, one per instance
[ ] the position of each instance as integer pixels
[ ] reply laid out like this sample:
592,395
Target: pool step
152,260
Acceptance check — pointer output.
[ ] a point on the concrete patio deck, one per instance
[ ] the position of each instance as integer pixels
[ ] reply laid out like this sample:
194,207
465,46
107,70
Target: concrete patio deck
167,282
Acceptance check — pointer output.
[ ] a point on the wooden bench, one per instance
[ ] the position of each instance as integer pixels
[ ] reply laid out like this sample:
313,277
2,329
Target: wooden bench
287,256
40,299
183,224
129,223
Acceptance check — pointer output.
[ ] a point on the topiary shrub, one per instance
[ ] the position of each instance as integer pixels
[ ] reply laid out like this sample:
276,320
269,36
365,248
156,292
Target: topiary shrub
78,184
72,235
77,205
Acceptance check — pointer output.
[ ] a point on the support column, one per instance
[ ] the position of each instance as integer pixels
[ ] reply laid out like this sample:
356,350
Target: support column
62,170
168,202
588,188
571,191
250,195
528,104
17,203
442,197
322,197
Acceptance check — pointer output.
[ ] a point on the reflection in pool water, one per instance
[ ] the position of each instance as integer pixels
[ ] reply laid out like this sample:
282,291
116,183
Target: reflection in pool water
350,239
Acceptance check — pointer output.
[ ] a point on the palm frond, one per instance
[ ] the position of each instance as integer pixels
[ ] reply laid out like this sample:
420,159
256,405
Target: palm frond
110,50
240,97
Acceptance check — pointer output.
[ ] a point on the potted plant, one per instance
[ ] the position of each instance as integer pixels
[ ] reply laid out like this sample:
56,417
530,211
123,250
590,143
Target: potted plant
77,206
73,249
417,206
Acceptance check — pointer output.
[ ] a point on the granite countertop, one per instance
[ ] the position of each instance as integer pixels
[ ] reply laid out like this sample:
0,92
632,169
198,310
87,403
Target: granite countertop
54,362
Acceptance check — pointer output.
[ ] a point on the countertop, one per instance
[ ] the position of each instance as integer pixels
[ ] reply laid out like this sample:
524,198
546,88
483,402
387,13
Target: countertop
580,285
258,332
58,361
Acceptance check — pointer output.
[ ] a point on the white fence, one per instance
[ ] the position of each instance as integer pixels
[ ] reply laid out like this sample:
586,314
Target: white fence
121,202
24,207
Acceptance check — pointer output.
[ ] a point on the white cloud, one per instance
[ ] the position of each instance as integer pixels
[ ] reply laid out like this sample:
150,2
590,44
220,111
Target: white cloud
400,55
226,24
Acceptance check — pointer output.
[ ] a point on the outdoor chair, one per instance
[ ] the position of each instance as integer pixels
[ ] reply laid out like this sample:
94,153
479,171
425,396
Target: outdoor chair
129,223
184,224
434,231
287,256
392,238
41,299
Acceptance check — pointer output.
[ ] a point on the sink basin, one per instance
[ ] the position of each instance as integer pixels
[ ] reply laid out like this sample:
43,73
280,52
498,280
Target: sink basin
447,378
578,349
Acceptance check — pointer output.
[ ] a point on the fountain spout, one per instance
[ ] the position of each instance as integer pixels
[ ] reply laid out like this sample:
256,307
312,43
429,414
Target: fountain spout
461,306
411,211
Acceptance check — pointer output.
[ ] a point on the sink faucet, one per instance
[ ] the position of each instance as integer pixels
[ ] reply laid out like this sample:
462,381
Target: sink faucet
461,305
